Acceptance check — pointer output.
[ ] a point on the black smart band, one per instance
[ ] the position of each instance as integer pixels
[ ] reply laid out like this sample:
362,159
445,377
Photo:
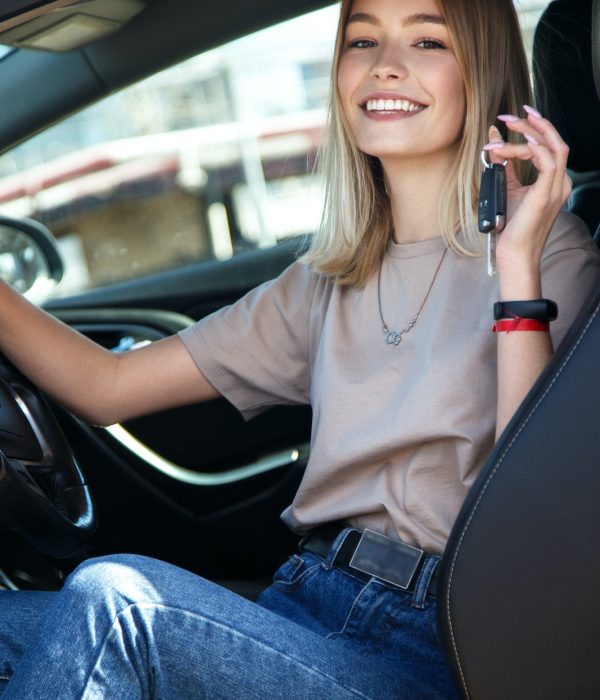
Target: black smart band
536,309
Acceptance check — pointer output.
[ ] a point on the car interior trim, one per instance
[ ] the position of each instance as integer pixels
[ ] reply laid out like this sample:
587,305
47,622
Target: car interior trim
47,457
6,582
596,43
65,24
188,476
167,322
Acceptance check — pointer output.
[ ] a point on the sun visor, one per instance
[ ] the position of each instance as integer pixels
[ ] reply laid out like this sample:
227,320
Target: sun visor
62,25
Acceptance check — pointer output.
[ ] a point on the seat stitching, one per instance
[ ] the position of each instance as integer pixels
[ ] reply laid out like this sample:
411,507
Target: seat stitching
487,483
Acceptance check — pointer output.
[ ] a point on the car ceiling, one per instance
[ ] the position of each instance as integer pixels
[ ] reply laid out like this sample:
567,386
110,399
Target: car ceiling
42,88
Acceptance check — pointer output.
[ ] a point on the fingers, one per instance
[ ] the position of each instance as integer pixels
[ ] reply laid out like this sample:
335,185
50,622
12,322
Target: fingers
542,145
499,152
538,130
551,152
496,140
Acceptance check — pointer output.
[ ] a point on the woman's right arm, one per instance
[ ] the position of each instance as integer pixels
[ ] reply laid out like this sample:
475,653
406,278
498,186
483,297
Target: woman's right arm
97,385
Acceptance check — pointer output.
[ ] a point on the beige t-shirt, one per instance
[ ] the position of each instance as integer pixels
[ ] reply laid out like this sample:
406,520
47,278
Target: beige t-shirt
399,432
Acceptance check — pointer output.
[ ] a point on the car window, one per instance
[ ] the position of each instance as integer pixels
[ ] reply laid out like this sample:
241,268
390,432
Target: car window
529,14
201,161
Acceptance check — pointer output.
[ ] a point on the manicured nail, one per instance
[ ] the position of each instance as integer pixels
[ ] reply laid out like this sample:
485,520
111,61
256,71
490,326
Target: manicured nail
492,145
530,138
508,118
532,111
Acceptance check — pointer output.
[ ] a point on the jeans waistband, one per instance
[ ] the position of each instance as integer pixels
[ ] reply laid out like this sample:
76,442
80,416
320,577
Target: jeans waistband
371,553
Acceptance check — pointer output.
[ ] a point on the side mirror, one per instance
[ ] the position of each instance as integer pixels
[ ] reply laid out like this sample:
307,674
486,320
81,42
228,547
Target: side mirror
29,258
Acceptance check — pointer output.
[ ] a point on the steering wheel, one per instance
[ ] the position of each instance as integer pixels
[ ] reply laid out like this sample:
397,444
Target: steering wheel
43,493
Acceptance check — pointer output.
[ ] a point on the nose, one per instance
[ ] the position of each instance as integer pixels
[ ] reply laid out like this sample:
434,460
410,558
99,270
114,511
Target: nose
390,64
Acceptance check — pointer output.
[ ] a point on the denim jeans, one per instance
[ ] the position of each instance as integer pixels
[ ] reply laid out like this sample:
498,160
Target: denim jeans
132,627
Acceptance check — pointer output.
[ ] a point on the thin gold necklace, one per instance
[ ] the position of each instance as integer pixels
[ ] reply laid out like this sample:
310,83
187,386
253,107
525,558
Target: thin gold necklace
394,337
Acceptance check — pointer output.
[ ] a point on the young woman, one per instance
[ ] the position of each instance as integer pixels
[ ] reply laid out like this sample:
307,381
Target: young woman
385,328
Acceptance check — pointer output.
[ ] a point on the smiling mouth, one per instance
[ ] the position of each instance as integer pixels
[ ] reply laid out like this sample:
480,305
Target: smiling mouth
391,106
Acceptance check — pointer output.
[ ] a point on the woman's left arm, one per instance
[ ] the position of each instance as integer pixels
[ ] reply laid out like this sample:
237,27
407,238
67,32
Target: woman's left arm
532,211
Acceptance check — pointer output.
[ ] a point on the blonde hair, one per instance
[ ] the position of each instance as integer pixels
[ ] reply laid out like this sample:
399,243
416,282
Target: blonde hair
356,225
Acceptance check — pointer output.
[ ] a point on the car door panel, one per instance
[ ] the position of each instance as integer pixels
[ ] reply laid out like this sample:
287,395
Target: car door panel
196,473
193,290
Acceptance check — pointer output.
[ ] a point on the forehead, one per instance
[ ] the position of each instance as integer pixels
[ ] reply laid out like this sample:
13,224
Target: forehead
393,8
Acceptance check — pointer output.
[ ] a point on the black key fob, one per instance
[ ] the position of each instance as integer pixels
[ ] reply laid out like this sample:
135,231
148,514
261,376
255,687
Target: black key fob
492,199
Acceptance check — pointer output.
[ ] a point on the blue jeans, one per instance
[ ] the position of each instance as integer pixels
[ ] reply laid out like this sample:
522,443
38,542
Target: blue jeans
132,627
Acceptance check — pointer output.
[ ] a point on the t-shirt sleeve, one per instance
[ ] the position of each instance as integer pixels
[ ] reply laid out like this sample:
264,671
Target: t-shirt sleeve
570,270
255,352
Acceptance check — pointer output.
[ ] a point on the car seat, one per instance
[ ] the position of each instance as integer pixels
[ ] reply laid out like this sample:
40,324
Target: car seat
566,84
519,595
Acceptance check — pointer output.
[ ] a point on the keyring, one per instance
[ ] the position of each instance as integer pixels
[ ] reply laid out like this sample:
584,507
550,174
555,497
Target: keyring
485,161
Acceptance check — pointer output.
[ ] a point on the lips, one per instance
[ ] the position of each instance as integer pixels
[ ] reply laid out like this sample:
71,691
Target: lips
390,105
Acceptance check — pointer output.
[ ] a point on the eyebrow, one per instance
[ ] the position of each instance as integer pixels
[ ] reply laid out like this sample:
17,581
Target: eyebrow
420,18
424,18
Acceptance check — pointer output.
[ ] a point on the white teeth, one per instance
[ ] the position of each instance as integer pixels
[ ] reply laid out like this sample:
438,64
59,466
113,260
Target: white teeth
392,106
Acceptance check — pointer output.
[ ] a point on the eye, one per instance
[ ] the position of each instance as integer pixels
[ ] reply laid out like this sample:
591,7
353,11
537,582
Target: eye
360,44
430,44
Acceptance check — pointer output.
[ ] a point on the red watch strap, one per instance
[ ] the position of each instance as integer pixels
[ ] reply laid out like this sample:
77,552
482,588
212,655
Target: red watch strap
506,325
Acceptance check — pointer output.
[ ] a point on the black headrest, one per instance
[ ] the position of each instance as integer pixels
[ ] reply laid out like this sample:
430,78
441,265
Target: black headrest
564,79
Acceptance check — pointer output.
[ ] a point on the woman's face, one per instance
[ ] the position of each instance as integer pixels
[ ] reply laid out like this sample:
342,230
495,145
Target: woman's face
399,84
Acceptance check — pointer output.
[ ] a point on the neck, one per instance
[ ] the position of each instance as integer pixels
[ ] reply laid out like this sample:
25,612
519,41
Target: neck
414,190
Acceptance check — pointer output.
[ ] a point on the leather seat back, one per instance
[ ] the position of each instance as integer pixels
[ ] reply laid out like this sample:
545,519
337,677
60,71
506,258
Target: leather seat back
520,581
565,86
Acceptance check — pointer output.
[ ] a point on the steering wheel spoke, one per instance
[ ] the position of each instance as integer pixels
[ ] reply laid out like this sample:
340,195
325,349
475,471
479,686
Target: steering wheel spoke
43,493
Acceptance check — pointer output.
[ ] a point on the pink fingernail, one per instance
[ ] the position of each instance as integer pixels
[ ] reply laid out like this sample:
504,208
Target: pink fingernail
492,145
530,138
508,118
532,111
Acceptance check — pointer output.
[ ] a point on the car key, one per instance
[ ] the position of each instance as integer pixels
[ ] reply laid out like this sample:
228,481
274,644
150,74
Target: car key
492,207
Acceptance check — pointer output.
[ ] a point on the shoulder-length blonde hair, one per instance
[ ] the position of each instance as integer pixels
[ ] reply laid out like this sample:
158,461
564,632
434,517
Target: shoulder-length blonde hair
356,225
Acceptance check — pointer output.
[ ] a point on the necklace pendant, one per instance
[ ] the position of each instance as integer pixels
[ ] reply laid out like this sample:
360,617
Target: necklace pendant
392,337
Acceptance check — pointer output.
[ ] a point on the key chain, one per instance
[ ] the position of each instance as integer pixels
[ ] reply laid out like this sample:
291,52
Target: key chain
492,206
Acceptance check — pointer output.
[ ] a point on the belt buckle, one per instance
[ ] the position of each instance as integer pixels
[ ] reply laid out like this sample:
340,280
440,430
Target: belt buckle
390,560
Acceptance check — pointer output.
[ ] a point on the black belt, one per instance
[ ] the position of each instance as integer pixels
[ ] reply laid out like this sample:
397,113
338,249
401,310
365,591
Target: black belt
371,553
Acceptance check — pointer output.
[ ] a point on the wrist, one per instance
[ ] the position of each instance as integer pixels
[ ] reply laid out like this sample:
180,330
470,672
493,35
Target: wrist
519,282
